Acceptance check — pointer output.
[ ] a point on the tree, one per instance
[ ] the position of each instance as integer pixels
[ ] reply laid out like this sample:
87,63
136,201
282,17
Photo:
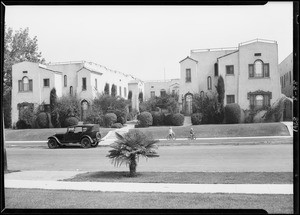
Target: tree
68,106
106,89
221,94
128,148
113,90
53,109
18,47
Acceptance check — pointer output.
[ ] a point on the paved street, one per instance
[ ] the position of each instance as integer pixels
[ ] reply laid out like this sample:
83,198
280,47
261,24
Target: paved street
227,158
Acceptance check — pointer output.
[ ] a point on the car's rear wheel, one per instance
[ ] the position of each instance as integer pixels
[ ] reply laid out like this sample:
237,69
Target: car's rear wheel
95,144
98,139
52,143
85,142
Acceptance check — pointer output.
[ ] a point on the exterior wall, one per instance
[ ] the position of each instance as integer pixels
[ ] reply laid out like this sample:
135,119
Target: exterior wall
285,69
188,87
134,88
157,86
230,81
58,84
269,54
39,93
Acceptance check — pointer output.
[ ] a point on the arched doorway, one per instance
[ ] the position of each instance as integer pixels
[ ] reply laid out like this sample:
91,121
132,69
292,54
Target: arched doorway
188,104
84,108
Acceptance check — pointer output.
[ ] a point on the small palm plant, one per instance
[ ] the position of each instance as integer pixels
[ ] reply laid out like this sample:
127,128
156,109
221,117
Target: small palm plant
128,148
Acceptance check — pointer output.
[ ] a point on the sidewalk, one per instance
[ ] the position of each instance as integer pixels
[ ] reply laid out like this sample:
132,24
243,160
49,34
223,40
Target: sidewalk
49,180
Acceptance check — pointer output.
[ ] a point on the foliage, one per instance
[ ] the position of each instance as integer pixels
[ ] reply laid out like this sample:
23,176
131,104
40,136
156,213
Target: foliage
70,121
53,109
167,119
68,106
128,148
220,90
158,118
113,90
259,117
212,111
177,119
26,119
106,89
109,119
42,120
232,113
117,125
145,119
196,118
18,47
168,102
275,112
141,97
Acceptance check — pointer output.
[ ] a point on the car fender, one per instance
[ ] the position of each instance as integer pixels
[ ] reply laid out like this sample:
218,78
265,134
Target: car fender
53,137
87,137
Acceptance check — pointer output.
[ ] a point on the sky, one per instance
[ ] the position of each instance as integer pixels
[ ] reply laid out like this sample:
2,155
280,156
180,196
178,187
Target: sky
149,41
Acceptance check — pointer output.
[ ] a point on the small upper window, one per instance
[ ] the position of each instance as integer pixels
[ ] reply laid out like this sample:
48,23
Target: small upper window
83,83
65,80
46,82
229,70
257,54
152,86
24,71
188,77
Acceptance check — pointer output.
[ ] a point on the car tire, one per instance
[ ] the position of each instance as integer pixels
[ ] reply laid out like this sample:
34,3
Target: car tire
95,144
85,142
52,143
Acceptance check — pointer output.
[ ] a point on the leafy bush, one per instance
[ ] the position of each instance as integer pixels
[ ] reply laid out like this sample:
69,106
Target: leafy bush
177,119
27,118
42,120
71,121
158,118
232,113
243,116
117,125
259,117
167,119
21,124
196,118
275,112
109,119
68,106
145,119
121,115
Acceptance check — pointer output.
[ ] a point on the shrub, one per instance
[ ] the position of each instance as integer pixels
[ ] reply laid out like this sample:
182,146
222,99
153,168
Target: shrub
158,118
259,117
21,124
109,119
242,119
167,119
68,106
42,120
275,112
177,119
121,115
232,113
27,118
196,118
145,119
71,121
117,125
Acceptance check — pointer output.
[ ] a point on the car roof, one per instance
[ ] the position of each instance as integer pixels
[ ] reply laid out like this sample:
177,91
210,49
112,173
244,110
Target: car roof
85,125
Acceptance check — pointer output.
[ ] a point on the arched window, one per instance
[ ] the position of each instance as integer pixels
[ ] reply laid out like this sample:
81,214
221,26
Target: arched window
259,69
162,92
25,84
65,80
209,83
71,90
259,101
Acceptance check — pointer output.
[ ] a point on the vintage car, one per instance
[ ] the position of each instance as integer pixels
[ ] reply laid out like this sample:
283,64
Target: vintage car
87,135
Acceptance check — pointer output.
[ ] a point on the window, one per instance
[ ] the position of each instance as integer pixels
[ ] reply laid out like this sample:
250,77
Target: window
162,93
96,84
152,86
125,92
290,77
229,70
257,54
188,77
71,90
230,99
216,69
259,99
120,91
209,83
65,80
152,93
83,83
173,92
24,71
259,69
46,82
25,85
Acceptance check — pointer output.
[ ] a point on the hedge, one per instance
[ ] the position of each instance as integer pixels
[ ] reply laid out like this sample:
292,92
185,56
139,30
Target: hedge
70,121
158,118
42,120
145,119
196,118
109,119
232,113
177,119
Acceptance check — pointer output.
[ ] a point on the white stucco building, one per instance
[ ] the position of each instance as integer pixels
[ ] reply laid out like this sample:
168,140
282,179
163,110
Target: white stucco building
285,69
32,83
160,87
250,73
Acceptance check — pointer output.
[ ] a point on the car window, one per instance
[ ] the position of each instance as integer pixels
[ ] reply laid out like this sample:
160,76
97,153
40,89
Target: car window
78,129
84,129
71,129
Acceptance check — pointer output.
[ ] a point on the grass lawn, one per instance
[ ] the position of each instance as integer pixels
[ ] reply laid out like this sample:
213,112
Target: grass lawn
50,199
189,177
40,134
224,130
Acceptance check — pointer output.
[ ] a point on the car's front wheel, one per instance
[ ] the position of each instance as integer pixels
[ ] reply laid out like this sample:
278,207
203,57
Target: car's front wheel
85,142
52,143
